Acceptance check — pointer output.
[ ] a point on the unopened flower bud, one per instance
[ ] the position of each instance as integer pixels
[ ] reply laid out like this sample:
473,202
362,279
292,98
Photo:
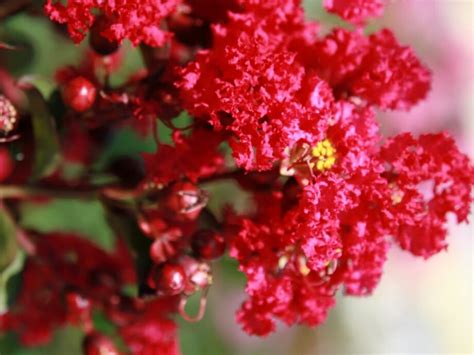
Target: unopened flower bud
97,41
79,94
98,344
208,244
163,247
79,308
185,201
169,280
198,274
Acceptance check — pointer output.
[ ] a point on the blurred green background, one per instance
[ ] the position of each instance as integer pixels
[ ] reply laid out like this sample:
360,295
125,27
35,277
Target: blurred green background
420,307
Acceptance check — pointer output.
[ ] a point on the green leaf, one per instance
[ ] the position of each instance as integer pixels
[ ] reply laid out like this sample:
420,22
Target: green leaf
198,339
14,268
50,48
86,218
125,225
47,148
125,142
8,242
66,340
104,325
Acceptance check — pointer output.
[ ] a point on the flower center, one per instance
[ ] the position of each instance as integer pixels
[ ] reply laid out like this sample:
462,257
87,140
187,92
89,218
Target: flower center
324,155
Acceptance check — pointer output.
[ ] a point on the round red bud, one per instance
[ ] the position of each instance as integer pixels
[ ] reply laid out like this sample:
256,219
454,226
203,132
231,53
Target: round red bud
100,44
185,201
78,307
198,274
170,279
79,94
98,344
208,244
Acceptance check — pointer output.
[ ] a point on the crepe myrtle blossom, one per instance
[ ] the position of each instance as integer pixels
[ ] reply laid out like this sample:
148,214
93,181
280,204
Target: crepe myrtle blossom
355,11
286,113
138,21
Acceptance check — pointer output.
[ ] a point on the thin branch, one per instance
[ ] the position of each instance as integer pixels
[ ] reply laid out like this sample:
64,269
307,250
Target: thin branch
21,192
232,174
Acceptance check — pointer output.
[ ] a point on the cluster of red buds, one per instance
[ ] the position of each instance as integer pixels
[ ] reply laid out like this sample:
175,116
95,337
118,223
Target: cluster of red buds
282,112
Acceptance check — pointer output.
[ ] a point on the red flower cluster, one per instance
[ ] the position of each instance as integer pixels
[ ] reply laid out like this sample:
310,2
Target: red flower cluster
138,21
376,69
193,157
69,279
355,11
298,111
251,84
337,232
429,178
292,100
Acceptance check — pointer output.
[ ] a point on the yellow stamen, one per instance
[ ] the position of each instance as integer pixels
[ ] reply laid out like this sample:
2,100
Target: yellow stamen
303,268
325,155
397,194
282,262
397,197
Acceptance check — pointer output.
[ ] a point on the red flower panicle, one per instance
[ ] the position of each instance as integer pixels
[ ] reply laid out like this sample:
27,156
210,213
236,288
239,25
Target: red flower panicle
250,84
376,69
429,178
392,76
138,21
297,254
329,193
150,331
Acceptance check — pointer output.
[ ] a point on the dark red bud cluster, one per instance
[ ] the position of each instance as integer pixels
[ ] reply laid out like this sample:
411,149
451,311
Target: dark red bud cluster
185,276
162,248
180,254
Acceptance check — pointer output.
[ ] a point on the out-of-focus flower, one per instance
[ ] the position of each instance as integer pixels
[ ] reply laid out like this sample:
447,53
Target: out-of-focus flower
450,63
376,69
430,178
355,11
150,332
